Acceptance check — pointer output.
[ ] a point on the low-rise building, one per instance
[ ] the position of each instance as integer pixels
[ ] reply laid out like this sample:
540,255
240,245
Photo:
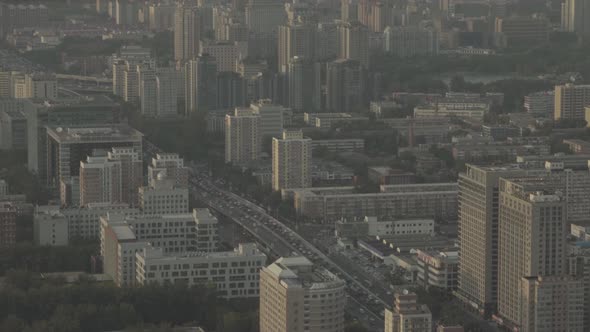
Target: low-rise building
339,145
235,274
50,227
384,226
407,315
388,175
578,146
438,268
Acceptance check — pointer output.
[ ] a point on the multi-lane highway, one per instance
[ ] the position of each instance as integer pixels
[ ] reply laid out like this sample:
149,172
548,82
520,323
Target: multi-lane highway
283,241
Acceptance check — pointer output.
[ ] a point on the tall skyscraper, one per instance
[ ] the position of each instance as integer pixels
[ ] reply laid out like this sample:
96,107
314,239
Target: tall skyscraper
532,232
201,84
242,136
301,84
345,86
148,99
296,39
264,16
354,42
575,17
408,315
187,32
297,296
478,234
291,161
570,101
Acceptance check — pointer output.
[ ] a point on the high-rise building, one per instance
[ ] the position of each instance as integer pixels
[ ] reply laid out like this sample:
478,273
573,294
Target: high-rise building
148,93
161,16
13,130
126,12
227,54
67,147
166,92
410,41
8,216
354,42
131,172
242,136
163,196
201,84
291,161
575,17
570,101
295,39
100,180
514,31
478,234
531,243
13,16
302,81
345,86
231,90
297,296
327,41
408,315
265,16
349,10
187,32
128,58
271,117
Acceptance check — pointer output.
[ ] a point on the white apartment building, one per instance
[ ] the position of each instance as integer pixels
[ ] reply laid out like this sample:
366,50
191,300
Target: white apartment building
297,296
235,274
100,180
291,161
50,227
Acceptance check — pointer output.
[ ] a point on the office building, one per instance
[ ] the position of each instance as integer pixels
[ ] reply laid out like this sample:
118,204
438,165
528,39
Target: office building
265,16
41,86
126,12
295,40
570,101
291,161
327,41
166,93
67,147
170,166
410,41
478,234
354,42
575,17
187,32
407,315
271,117
243,141
79,111
297,296
345,86
540,104
201,84
518,31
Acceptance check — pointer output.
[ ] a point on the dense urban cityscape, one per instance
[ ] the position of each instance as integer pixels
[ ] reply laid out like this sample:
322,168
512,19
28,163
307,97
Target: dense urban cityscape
294,165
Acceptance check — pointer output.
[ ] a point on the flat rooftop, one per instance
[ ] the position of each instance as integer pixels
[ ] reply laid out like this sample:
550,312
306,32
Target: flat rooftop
115,133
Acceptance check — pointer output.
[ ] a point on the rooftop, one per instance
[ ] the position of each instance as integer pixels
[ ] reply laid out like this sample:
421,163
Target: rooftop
114,133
